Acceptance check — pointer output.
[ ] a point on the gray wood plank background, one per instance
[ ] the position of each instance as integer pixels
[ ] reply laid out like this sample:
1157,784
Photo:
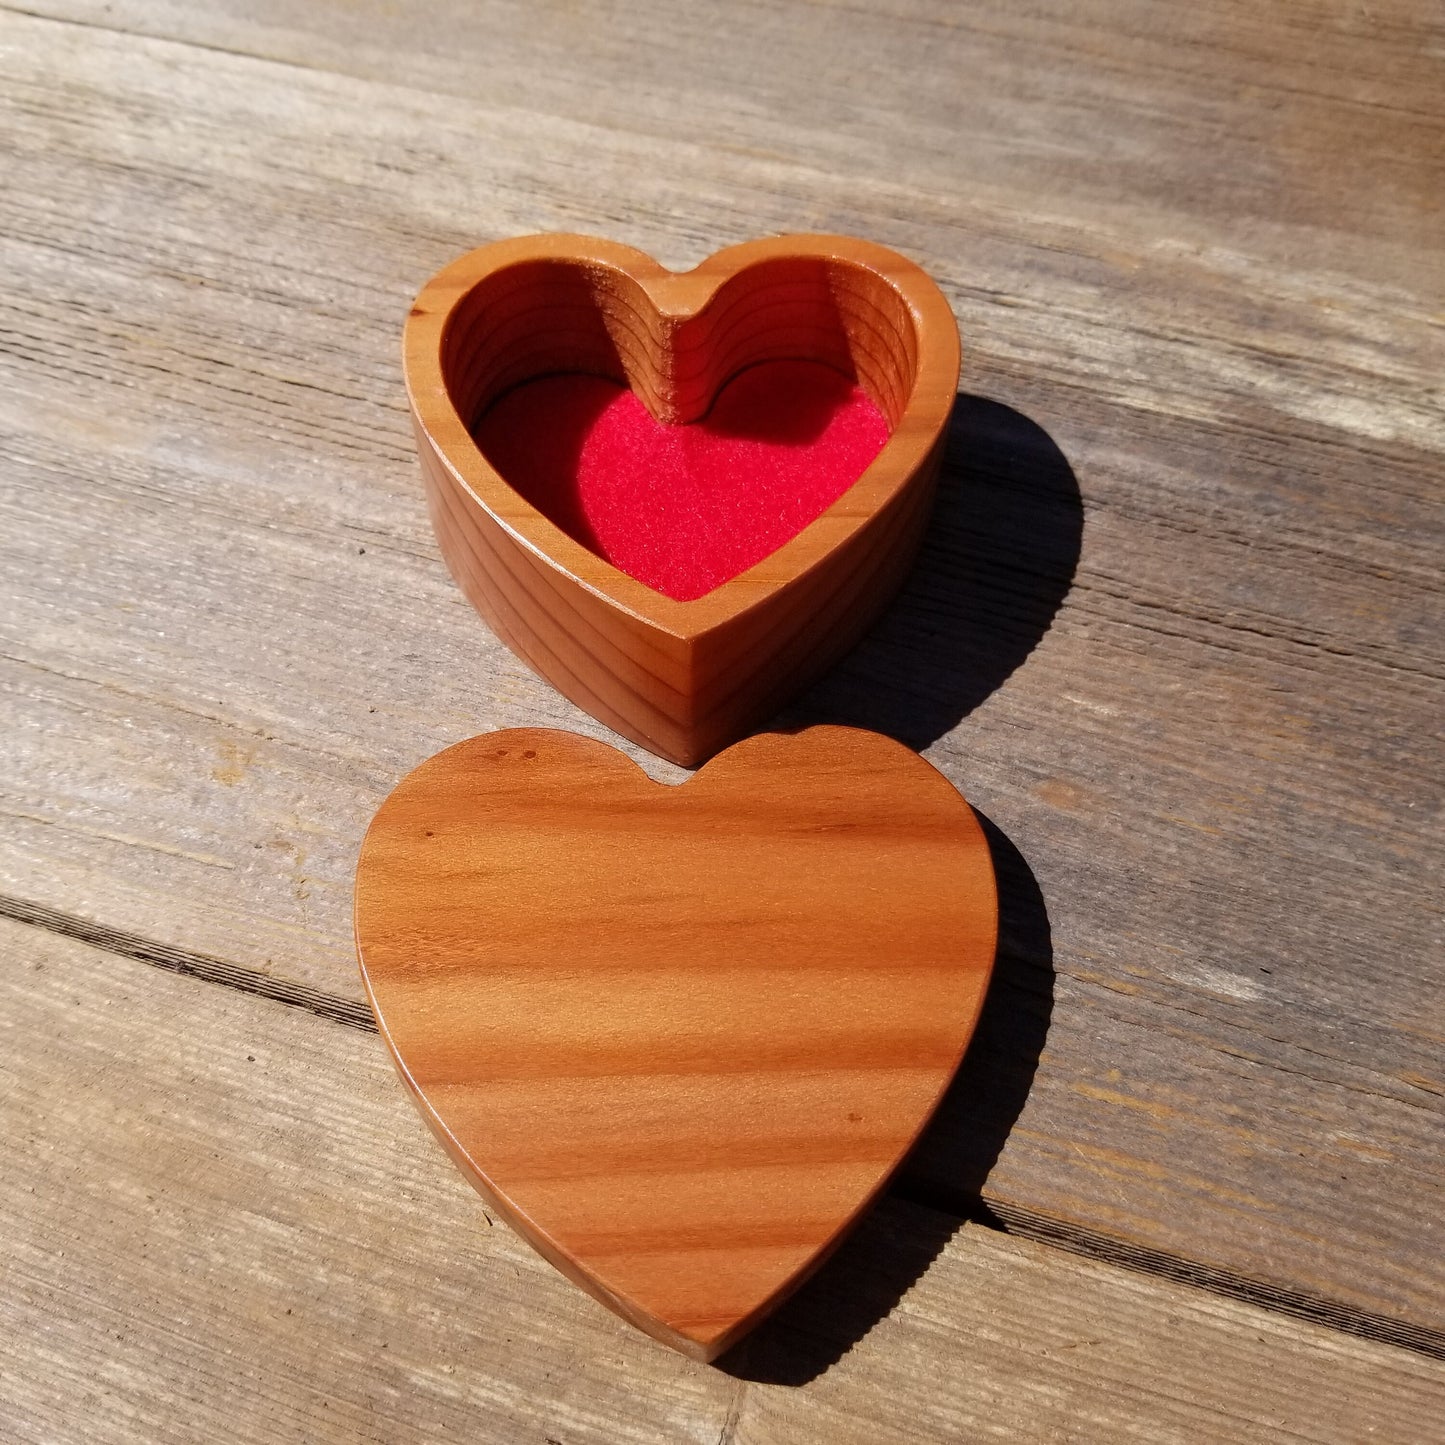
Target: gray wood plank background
232,1226
1176,630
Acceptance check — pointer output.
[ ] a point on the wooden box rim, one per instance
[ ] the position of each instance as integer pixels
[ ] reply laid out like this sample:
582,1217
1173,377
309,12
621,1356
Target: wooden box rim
681,295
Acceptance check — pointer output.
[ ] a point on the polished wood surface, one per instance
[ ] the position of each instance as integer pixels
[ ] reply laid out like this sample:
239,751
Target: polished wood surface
678,1036
681,678
1174,629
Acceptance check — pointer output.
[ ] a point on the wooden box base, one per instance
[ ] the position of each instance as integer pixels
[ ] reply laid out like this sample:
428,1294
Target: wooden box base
681,678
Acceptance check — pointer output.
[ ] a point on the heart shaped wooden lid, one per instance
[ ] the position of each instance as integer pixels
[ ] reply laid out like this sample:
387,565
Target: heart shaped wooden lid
678,1036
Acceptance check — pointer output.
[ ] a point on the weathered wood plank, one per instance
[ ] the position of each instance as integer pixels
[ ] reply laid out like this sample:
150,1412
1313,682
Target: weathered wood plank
1230,124
224,1221
1214,762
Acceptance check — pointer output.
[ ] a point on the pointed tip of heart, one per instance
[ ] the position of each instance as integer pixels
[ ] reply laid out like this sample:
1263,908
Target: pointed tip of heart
705,1340
708,1341
704,1337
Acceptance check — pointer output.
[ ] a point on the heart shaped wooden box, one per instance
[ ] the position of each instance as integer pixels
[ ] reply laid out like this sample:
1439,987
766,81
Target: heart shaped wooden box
681,678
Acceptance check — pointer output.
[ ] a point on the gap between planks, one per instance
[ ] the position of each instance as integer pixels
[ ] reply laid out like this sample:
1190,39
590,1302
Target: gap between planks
1028,1224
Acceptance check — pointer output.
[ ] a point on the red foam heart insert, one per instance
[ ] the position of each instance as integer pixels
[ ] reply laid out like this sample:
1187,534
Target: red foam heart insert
684,508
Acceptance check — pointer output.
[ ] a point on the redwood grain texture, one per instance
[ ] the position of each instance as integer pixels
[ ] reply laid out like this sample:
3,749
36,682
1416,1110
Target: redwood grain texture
679,1037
